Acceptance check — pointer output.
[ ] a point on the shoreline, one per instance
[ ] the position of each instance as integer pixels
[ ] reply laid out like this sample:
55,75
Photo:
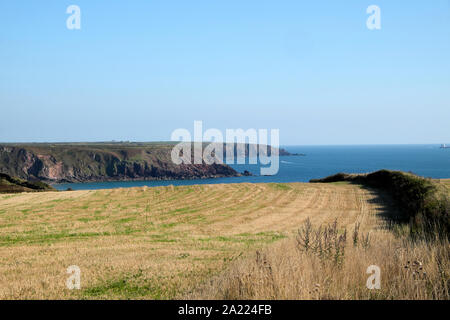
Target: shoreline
214,181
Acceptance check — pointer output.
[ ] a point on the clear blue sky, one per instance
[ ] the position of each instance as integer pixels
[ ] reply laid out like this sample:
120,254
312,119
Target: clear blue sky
137,70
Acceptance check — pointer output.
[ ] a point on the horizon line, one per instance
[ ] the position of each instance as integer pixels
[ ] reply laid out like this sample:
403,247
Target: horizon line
172,142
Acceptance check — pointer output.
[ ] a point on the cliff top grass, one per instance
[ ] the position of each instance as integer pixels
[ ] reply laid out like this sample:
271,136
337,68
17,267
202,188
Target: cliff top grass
50,147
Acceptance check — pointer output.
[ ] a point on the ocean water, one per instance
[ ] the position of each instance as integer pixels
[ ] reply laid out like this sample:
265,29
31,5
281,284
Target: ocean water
319,162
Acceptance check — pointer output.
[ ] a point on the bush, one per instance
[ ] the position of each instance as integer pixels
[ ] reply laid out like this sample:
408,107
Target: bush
420,200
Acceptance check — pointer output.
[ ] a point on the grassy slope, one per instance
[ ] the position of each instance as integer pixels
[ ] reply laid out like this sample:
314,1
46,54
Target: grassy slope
154,242
14,185
424,203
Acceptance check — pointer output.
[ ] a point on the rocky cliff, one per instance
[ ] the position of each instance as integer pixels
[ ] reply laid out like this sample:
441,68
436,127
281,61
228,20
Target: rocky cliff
77,162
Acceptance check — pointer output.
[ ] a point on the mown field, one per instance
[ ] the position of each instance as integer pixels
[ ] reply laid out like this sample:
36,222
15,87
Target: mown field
446,182
209,241
156,243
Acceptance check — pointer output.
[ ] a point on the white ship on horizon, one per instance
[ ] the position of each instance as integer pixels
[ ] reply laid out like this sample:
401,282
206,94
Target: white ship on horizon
444,146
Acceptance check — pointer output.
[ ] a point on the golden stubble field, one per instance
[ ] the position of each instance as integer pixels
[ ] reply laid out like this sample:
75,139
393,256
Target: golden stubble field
154,242
172,242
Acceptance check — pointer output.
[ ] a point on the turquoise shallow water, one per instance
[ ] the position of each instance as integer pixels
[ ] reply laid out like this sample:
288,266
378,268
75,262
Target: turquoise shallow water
320,161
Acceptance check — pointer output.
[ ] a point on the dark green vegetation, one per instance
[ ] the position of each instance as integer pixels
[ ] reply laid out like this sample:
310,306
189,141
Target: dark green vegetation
13,185
424,203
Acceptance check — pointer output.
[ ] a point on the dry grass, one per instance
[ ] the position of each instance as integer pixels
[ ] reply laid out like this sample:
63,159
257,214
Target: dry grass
160,243
287,271
330,261
445,182
152,242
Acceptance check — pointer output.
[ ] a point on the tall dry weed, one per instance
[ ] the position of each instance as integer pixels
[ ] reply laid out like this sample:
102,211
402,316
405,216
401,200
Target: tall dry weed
320,263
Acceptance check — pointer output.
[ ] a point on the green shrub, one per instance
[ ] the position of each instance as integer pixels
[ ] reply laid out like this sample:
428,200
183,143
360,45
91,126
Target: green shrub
420,201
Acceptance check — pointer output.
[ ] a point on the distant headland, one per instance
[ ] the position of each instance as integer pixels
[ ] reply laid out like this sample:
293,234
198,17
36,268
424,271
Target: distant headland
105,161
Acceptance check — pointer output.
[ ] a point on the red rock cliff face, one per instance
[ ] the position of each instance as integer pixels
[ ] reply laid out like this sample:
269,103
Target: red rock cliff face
83,163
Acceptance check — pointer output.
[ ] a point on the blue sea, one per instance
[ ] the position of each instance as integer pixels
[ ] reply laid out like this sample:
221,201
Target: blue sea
318,162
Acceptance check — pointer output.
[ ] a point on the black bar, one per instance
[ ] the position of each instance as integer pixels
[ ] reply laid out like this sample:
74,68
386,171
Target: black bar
218,309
